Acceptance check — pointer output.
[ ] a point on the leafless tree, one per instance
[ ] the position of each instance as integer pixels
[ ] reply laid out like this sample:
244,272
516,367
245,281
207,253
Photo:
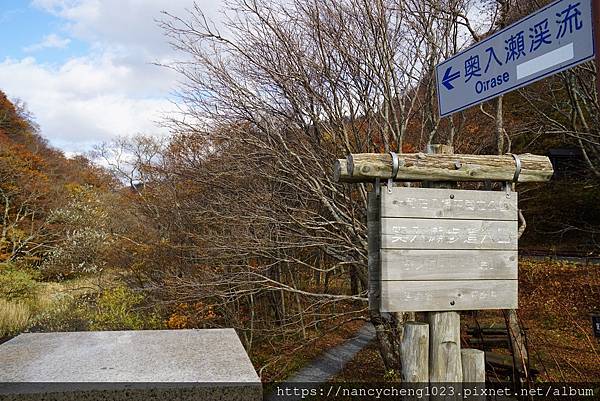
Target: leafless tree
269,101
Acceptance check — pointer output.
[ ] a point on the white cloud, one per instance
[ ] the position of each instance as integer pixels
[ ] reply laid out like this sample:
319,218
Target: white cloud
114,89
84,101
52,41
123,23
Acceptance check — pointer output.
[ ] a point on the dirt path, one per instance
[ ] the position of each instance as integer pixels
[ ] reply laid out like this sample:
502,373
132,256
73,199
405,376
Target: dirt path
328,364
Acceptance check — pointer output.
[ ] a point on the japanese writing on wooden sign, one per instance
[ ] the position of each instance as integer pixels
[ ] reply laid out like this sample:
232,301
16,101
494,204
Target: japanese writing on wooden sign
447,249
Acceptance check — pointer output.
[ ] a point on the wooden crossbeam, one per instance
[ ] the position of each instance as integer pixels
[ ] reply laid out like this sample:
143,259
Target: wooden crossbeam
366,167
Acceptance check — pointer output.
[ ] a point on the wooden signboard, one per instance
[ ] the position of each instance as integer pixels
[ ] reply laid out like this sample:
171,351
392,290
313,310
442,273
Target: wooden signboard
447,249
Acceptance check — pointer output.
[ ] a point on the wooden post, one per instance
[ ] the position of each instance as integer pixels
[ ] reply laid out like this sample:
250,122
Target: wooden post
415,353
387,347
473,365
373,224
517,344
444,336
444,349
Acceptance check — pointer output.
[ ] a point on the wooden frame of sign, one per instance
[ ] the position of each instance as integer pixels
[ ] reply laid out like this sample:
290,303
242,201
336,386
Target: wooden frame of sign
440,250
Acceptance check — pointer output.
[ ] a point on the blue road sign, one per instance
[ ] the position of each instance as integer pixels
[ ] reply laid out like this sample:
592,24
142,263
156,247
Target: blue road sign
553,39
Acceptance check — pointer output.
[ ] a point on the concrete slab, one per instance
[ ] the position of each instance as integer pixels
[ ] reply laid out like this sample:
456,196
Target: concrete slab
210,364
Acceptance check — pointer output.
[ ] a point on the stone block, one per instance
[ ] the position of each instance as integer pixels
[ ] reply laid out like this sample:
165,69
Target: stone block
128,365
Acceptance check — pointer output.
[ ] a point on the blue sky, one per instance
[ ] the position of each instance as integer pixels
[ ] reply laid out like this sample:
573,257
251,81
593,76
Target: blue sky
23,25
84,67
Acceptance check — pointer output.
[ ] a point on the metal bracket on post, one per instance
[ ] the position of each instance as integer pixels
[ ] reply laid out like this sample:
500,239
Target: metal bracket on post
395,167
517,170
509,186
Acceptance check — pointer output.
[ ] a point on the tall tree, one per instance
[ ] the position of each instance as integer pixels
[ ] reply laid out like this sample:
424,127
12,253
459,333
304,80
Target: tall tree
271,100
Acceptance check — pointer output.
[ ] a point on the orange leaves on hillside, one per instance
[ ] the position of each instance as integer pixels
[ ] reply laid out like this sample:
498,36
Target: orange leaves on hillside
34,180
12,125
186,316
23,191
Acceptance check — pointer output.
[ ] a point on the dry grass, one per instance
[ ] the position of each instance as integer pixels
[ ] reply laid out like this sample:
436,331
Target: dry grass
556,299
19,315
14,317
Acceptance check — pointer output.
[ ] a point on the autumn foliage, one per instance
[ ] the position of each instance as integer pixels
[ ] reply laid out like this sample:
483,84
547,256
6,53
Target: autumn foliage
35,180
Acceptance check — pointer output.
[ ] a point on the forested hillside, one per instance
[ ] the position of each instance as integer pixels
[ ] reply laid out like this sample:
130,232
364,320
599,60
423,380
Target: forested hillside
60,222
36,180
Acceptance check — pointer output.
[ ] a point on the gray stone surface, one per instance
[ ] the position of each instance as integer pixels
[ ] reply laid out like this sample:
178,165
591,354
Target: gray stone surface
208,363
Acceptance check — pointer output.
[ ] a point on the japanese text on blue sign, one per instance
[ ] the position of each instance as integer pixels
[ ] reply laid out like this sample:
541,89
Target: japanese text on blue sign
555,38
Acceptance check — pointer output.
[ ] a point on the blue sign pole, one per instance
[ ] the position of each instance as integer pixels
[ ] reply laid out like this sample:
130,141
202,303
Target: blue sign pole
557,37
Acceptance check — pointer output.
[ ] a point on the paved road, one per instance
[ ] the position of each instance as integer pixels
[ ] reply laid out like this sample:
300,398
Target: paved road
328,364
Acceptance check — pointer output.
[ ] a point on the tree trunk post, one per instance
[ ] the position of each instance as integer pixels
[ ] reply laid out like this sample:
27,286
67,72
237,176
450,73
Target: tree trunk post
517,344
366,167
444,353
444,336
473,367
415,353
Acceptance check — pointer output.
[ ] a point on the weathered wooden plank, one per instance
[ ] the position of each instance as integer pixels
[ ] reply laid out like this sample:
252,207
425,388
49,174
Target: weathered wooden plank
374,267
415,353
473,365
449,204
407,233
506,362
365,167
423,264
489,342
486,330
442,295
